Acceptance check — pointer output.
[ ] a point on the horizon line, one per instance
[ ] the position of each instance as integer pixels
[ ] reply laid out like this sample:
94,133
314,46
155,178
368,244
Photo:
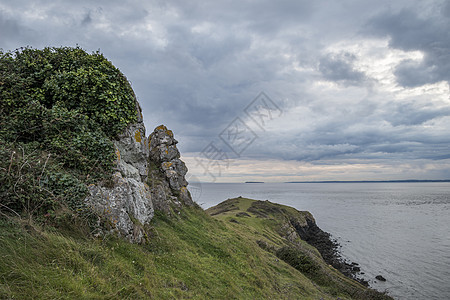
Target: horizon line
340,181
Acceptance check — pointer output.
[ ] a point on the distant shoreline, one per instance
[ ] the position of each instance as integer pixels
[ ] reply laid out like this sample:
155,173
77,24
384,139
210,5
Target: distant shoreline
332,181
369,181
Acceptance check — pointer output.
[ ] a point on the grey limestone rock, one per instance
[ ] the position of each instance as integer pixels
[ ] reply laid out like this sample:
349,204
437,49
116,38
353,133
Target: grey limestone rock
166,159
132,150
149,175
126,206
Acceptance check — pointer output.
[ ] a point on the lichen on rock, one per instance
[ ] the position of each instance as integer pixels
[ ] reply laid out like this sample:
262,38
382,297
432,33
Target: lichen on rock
149,176
127,205
167,178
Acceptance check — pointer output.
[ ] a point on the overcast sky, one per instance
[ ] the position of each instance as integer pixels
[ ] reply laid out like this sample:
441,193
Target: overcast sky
353,90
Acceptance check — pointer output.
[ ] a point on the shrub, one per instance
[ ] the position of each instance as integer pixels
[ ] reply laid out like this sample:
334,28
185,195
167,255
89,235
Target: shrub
71,78
298,260
59,110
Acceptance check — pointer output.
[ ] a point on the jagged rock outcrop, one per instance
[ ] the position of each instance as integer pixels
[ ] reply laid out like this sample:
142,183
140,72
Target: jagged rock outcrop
149,176
167,171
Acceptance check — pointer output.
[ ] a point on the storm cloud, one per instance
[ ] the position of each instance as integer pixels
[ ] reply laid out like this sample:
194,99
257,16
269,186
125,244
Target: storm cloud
428,32
360,84
338,68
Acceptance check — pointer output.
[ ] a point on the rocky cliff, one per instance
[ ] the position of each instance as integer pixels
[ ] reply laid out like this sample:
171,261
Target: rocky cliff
149,176
72,139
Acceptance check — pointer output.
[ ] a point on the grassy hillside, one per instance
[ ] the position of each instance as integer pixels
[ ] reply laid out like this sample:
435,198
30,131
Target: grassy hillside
281,231
192,255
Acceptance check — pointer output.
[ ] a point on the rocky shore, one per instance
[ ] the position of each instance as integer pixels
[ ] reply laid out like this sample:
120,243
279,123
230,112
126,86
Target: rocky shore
329,249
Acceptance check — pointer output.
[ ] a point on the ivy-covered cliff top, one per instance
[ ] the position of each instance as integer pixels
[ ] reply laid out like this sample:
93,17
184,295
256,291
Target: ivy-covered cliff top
59,110
64,79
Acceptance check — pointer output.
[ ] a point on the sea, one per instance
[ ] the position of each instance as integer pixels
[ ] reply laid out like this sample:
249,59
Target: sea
399,230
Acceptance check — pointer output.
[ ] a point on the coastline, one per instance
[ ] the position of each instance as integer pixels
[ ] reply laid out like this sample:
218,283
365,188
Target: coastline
294,237
329,249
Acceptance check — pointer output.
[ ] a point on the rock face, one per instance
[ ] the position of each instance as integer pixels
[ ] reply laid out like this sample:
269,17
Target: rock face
167,171
308,231
149,176
302,225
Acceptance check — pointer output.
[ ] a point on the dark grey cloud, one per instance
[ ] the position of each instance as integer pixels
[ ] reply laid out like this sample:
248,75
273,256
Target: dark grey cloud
87,19
340,145
11,31
407,130
407,114
409,31
339,68
411,73
263,17
8,28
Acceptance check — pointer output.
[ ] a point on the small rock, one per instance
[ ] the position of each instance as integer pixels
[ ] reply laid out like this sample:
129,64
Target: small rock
380,278
242,214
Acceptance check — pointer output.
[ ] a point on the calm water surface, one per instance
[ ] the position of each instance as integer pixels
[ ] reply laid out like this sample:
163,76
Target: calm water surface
398,230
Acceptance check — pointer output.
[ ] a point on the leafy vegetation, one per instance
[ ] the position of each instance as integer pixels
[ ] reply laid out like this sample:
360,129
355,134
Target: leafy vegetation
59,110
298,260
86,84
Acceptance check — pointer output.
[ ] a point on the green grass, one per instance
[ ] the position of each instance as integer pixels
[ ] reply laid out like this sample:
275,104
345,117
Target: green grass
270,225
191,255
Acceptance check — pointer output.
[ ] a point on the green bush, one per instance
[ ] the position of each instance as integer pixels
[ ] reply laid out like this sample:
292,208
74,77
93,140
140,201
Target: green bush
298,260
59,110
71,78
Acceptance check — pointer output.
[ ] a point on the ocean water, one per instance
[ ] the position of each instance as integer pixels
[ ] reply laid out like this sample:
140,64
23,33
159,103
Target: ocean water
398,230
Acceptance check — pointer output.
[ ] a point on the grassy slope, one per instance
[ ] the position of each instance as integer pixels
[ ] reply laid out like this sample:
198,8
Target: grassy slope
270,225
190,256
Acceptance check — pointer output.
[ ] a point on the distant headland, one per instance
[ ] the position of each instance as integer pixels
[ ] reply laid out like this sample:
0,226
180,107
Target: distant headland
368,181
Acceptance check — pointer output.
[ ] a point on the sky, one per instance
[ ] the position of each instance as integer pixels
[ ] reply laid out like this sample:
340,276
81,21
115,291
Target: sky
272,91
